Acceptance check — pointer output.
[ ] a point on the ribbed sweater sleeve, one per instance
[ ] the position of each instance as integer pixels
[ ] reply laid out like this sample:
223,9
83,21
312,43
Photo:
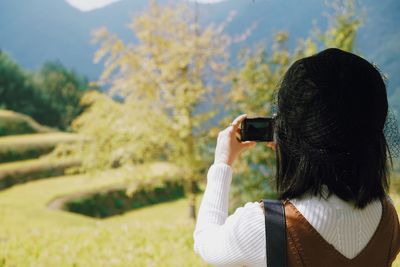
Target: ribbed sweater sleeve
220,240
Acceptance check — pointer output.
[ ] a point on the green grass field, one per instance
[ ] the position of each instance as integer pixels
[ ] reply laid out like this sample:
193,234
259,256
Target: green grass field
34,235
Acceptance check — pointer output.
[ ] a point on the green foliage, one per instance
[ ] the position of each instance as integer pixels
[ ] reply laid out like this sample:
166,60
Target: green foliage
27,146
17,89
28,170
12,128
113,202
164,80
50,96
61,90
13,123
167,74
10,155
120,134
344,24
253,92
120,193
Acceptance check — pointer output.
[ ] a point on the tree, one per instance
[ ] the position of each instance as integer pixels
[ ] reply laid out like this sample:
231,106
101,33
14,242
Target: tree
343,26
51,96
18,91
254,86
61,90
164,83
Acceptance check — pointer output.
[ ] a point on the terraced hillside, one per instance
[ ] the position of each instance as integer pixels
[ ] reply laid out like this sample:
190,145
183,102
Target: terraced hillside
16,123
35,232
35,235
24,144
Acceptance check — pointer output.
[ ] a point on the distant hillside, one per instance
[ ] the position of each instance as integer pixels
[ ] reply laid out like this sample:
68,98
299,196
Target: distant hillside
33,34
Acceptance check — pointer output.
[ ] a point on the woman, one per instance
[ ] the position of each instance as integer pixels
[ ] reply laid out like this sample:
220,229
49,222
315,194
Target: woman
331,172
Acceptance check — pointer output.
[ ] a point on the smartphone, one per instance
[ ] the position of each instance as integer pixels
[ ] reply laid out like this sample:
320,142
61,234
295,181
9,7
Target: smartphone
260,129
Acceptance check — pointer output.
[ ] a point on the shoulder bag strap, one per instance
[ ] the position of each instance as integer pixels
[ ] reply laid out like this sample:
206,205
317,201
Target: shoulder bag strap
275,233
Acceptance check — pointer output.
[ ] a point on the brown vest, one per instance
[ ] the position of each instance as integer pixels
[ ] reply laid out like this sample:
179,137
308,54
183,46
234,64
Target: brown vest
307,248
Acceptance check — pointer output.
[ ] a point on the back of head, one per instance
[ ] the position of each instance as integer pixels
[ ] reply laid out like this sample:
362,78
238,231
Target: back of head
332,109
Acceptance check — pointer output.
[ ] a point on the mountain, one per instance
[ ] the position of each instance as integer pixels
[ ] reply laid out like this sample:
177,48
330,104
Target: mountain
35,31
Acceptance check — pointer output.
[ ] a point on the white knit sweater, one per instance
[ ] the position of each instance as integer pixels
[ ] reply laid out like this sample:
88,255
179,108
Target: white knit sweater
239,240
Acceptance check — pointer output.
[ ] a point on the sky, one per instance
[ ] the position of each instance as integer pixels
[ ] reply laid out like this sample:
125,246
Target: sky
89,5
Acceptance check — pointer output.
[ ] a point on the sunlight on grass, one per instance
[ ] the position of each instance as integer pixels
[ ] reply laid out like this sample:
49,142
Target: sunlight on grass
33,235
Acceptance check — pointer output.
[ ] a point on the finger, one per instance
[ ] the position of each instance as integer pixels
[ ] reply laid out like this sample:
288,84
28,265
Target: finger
237,134
248,144
236,122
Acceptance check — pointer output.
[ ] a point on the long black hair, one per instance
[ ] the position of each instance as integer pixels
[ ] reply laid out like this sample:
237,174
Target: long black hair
332,108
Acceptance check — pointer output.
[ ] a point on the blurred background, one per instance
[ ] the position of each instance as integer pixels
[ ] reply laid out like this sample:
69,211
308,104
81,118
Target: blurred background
110,111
